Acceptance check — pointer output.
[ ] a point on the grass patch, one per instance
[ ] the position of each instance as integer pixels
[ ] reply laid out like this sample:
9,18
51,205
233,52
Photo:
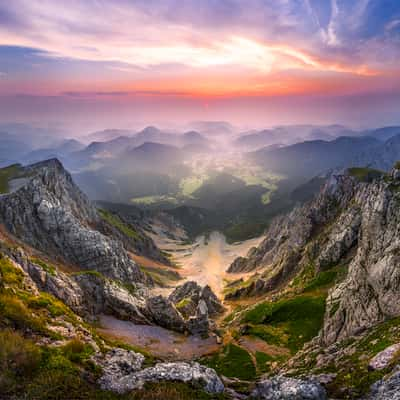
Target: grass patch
15,314
116,221
365,174
10,274
49,268
190,184
8,173
322,280
265,361
77,351
161,276
233,362
54,306
299,318
18,358
183,303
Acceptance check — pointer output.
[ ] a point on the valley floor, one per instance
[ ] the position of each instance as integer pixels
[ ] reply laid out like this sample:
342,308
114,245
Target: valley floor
207,259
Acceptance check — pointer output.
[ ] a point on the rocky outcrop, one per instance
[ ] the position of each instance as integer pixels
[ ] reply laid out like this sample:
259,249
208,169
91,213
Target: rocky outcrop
137,221
353,222
164,313
284,249
283,388
103,296
50,213
370,292
122,373
187,297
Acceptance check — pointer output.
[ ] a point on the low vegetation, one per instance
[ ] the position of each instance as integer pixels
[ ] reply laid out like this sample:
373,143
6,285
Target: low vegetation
288,322
234,362
116,221
8,173
365,174
353,377
51,269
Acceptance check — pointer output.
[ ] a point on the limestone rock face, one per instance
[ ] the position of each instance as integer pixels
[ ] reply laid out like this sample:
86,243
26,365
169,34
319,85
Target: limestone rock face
350,222
50,213
370,292
282,388
104,296
282,252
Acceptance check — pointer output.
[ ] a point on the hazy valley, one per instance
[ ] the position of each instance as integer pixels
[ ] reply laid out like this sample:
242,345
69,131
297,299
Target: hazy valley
204,265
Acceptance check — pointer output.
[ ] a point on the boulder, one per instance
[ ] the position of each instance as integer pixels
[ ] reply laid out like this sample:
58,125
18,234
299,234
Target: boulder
386,389
122,380
116,365
384,358
164,313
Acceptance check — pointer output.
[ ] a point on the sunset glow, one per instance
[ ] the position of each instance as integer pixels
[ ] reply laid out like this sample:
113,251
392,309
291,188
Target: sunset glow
215,49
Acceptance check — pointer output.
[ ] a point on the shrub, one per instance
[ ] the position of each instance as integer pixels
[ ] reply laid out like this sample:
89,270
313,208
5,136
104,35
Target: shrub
18,358
10,274
14,313
77,351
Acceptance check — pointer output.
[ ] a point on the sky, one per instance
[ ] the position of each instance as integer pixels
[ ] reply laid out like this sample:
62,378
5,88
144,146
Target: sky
252,62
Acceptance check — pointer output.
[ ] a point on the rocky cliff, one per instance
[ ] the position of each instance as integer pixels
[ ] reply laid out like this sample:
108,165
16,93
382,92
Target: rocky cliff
354,222
49,212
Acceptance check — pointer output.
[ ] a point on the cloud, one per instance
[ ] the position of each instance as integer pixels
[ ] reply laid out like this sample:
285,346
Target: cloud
175,46
124,94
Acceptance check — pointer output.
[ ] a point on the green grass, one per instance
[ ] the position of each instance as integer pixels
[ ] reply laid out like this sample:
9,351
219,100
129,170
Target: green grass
115,221
365,174
14,313
266,198
8,173
183,303
51,269
190,184
10,275
233,362
47,301
161,276
77,351
264,361
297,319
243,231
149,200
322,280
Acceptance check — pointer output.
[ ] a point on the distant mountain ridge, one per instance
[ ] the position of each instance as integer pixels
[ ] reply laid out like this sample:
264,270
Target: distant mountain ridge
315,157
